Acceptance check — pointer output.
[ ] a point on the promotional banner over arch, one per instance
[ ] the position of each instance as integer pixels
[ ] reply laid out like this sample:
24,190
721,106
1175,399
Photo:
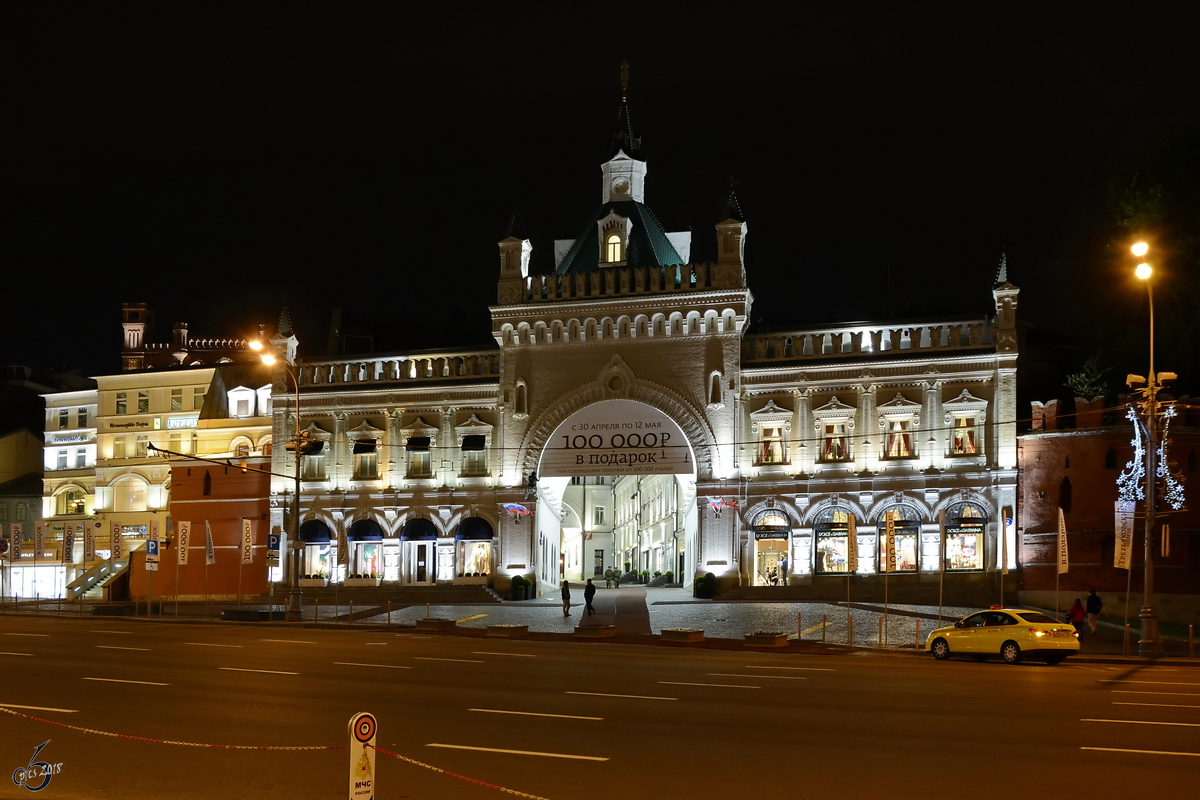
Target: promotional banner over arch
617,437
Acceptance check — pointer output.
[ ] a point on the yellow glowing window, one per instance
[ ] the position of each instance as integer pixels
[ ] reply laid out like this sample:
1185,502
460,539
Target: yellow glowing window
613,249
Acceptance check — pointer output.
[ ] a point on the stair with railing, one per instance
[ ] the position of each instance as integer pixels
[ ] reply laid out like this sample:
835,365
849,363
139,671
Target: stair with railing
91,583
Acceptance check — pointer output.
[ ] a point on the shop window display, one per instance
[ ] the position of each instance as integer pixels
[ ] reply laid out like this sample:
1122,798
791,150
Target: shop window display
907,529
474,557
369,558
965,529
833,535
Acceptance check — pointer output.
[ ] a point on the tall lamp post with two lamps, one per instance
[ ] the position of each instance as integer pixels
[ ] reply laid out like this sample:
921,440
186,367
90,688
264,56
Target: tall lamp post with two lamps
294,594
1155,464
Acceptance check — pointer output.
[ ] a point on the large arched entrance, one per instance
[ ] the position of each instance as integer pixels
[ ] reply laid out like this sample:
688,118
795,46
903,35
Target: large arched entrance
616,488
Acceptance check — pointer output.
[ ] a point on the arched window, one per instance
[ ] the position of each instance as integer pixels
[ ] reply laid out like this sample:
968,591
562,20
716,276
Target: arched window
612,252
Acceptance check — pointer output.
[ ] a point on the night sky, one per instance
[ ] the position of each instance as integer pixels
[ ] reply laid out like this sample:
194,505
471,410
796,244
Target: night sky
215,160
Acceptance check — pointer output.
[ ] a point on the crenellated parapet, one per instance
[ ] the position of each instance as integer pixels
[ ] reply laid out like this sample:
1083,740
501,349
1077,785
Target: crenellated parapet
840,341
400,369
624,282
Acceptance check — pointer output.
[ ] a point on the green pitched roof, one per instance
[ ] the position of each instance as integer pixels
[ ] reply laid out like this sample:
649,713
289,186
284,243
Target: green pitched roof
648,245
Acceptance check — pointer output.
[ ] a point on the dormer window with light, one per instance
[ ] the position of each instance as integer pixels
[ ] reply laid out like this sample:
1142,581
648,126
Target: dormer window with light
613,249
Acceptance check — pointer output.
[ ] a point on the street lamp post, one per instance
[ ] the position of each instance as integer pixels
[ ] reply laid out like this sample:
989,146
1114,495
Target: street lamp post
1150,644
294,593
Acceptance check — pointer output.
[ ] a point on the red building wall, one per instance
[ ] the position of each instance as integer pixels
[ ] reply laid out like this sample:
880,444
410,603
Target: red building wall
222,496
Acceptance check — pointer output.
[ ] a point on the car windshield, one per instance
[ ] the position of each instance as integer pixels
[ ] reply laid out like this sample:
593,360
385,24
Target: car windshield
1038,617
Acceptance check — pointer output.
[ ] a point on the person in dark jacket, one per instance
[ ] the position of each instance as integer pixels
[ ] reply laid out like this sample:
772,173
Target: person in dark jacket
589,592
566,596
1094,604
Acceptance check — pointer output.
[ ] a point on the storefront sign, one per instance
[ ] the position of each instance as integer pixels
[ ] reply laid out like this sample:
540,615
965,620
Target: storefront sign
182,422
136,424
772,532
617,437
185,539
1123,552
74,437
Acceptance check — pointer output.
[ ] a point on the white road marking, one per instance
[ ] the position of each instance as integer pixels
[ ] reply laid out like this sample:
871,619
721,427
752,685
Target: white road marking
1093,669
27,634
1143,722
1156,705
115,647
459,660
357,664
16,654
721,685
530,713
42,708
803,669
517,752
1176,694
1143,752
119,633
269,671
630,696
514,655
761,677
118,680
374,643
287,641
1156,683
206,644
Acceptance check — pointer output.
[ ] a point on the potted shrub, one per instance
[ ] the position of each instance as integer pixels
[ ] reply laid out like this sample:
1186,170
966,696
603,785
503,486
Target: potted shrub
670,576
360,579
518,587
628,564
313,581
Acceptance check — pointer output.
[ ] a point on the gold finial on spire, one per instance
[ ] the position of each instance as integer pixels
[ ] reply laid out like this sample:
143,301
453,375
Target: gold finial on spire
624,79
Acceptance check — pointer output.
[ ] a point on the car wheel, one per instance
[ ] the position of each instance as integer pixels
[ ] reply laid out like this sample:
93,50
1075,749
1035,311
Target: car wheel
940,649
979,657
1011,652
1055,658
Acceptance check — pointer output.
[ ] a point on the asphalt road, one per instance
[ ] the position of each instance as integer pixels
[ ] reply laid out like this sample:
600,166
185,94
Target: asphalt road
588,719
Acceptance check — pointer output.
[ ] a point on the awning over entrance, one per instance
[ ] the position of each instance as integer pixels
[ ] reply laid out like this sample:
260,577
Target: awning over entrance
314,532
365,530
475,529
418,529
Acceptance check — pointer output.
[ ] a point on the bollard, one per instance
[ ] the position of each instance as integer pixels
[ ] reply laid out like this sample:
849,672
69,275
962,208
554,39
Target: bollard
352,611
1125,644
917,640
849,629
316,609
881,631
823,624
427,611
799,626
389,612
1191,642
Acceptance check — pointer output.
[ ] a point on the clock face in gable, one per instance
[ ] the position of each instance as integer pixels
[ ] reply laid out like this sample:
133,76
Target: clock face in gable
620,186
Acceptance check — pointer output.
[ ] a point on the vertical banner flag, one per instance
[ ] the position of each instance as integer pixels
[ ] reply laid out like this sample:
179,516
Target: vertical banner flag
8,545
39,539
68,553
852,544
14,543
247,541
210,555
890,528
1006,525
942,537
185,539
343,557
1063,561
118,551
152,547
1123,552
90,530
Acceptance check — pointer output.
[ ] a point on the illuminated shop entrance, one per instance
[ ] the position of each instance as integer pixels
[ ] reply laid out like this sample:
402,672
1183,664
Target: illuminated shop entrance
616,487
418,549
965,527
772,541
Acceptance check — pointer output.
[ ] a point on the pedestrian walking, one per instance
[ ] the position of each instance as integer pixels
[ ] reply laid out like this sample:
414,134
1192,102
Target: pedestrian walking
1094,604
1075,615
566,596
783,568
589,592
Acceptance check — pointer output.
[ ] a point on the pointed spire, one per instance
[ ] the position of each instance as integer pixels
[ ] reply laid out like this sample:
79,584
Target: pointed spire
623,138
285,322
515,227
1002,270
732,209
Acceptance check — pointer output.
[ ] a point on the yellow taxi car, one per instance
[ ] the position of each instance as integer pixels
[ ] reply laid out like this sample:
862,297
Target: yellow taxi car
1010,633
